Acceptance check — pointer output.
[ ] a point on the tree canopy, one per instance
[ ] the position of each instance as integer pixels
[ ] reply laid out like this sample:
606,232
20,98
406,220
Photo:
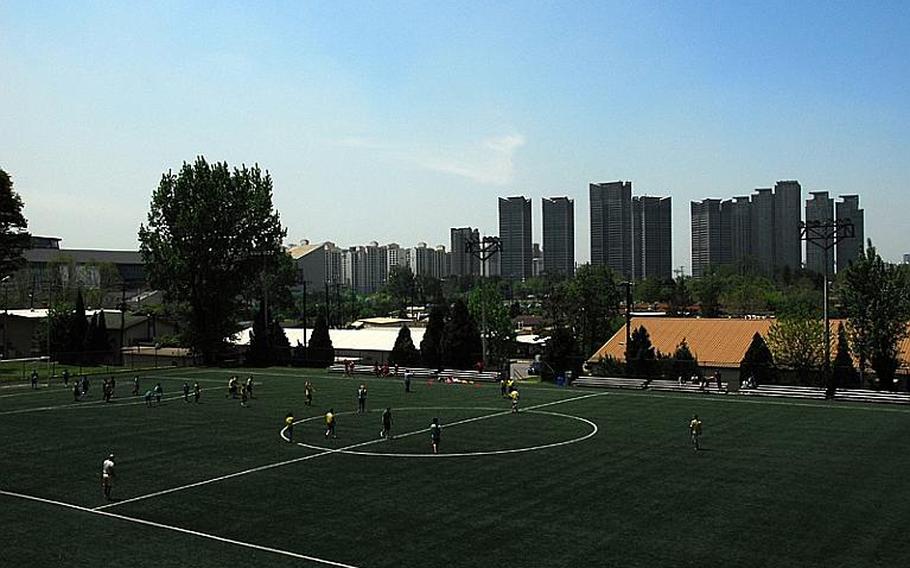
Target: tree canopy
14,237
212,235
404,352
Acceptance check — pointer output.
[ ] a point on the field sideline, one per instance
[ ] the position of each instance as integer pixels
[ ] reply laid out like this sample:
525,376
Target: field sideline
578,478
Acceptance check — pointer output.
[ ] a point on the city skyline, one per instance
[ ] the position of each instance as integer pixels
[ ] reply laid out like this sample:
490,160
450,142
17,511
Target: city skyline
452,113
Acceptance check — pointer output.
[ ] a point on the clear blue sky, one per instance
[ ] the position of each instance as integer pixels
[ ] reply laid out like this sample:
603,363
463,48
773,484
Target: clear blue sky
394,121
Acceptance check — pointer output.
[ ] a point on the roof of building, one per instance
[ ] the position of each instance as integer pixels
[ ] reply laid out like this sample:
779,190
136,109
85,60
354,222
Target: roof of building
368,339
300,251
381,322
715,342
82,256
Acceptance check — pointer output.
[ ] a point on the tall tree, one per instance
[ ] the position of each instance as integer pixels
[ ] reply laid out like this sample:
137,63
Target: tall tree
461,344
587,304
78,329
404,352
211,234
431,344
684,362
258,352
14,237
401,287
876,298
488,308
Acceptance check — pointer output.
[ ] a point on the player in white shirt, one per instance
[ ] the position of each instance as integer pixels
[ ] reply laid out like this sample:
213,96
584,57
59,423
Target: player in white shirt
107,476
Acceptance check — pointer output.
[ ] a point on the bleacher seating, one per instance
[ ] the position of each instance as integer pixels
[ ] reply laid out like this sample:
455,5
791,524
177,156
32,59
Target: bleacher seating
784,391
423,373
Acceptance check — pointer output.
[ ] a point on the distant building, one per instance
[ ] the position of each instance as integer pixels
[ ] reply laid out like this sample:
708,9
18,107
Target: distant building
709,245
763,229
312,263
85,265
537,260
787,219
652,237
819,211
611,226
515,236
490,267
559,235
463,263
739,213
848,249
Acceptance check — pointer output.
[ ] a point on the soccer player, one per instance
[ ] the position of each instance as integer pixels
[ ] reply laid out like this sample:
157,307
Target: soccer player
107,476
510,386
386,424
514,396
243,395
232,387
362,399
249,386
186,391
148,397
77,392
407,380
502,387
158,392
308,393
695,431
34,379
289,425
136,385
330,423
196,392
66,377
435,434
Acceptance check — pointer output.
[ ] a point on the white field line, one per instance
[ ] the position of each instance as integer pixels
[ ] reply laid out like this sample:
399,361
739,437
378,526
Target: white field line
93,404
320,454
180,530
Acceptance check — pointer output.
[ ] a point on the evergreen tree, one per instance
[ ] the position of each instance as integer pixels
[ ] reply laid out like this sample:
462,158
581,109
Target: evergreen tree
281,345
684,362
320,351
843,372
640,354
431,345
461,344
100,343
560,353
404,352
757,362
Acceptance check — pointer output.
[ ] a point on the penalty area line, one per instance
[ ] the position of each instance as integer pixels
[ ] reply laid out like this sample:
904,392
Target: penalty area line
172,528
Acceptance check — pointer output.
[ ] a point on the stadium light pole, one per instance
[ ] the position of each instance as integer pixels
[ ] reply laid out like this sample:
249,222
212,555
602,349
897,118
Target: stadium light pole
483,250
825,235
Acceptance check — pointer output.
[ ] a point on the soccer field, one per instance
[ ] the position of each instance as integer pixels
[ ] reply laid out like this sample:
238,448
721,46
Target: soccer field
577,478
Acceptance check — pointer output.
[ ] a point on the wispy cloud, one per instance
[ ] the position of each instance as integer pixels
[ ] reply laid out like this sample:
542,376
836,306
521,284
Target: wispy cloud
490,162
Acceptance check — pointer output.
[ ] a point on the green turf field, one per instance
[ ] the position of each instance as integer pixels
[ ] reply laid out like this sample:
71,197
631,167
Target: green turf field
578,478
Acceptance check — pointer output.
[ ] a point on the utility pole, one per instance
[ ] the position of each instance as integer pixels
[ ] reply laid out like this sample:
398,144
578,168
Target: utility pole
628,287
826,234
483,250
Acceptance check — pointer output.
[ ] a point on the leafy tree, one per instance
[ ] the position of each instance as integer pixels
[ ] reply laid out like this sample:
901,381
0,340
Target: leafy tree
14,237
488,308
798,343
876,299
431,345
461,344
588,305
61,318
640,353
320,351
560,353
758,362
211,234
844,371
707,291
404,352
401,287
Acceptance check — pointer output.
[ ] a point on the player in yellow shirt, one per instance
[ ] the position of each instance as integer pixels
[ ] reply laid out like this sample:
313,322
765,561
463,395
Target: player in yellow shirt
289,426
330,423
514,396
695,431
